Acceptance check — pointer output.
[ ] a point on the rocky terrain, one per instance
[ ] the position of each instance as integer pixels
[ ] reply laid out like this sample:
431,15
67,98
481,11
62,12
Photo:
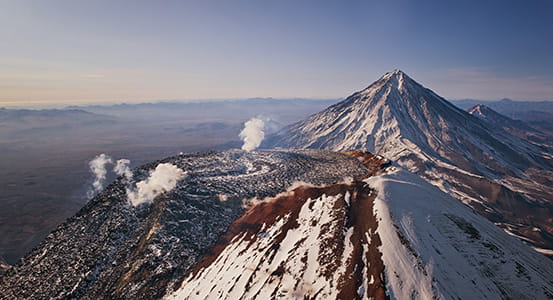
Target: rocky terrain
111,249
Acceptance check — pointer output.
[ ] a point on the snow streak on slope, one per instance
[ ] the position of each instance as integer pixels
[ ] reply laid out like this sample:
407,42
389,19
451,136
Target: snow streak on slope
435,247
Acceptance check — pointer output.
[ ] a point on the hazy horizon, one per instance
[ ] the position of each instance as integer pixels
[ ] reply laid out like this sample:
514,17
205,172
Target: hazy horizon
111,52
64,105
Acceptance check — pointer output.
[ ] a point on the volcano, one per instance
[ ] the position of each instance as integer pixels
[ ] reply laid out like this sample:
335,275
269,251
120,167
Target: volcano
507,179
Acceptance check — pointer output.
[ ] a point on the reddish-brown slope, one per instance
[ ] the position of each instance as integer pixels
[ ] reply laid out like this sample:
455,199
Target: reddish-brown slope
364,266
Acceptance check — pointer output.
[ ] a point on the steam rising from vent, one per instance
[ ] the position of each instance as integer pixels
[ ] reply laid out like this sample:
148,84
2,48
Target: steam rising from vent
98,168
252,134
122,168
164,178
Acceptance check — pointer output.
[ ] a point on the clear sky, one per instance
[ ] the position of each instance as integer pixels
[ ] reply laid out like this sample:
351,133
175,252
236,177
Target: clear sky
98,51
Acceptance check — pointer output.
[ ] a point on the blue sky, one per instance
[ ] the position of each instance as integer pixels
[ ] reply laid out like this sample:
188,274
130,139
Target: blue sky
113,51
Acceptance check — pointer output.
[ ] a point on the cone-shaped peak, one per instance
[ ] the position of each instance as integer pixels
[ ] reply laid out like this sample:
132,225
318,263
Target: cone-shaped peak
392,83
396,74
397,79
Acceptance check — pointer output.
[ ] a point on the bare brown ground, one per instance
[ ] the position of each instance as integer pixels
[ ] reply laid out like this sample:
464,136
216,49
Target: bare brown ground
360,215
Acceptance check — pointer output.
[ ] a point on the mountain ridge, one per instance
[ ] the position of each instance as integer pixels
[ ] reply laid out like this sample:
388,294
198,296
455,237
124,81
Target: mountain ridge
111,249
279,223
515,127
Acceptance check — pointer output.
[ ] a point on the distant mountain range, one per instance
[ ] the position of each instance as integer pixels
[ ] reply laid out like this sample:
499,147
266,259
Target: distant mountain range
51,118
283,110
507,107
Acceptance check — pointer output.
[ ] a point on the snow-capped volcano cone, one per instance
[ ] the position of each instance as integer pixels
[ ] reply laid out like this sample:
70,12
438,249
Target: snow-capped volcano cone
479,164
396,114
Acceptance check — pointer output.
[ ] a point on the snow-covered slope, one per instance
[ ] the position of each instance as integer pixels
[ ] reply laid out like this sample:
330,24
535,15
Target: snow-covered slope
391,235
505,178
433,246
312,249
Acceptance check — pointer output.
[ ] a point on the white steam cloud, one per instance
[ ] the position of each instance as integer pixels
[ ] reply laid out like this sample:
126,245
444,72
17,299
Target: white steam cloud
98,168
252,134
122,168
164,178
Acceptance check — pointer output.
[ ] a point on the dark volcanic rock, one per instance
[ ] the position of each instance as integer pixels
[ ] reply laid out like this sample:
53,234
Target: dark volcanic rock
112,250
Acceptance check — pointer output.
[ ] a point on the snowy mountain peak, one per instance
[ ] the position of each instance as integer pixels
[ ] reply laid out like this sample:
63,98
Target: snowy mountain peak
395,105
401,94
481,110
397,74
515,127
487,114
394,80
481,164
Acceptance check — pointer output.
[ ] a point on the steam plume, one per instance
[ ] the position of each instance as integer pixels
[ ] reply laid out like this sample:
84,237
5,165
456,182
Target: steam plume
164,178
122,168
98,168
252,134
